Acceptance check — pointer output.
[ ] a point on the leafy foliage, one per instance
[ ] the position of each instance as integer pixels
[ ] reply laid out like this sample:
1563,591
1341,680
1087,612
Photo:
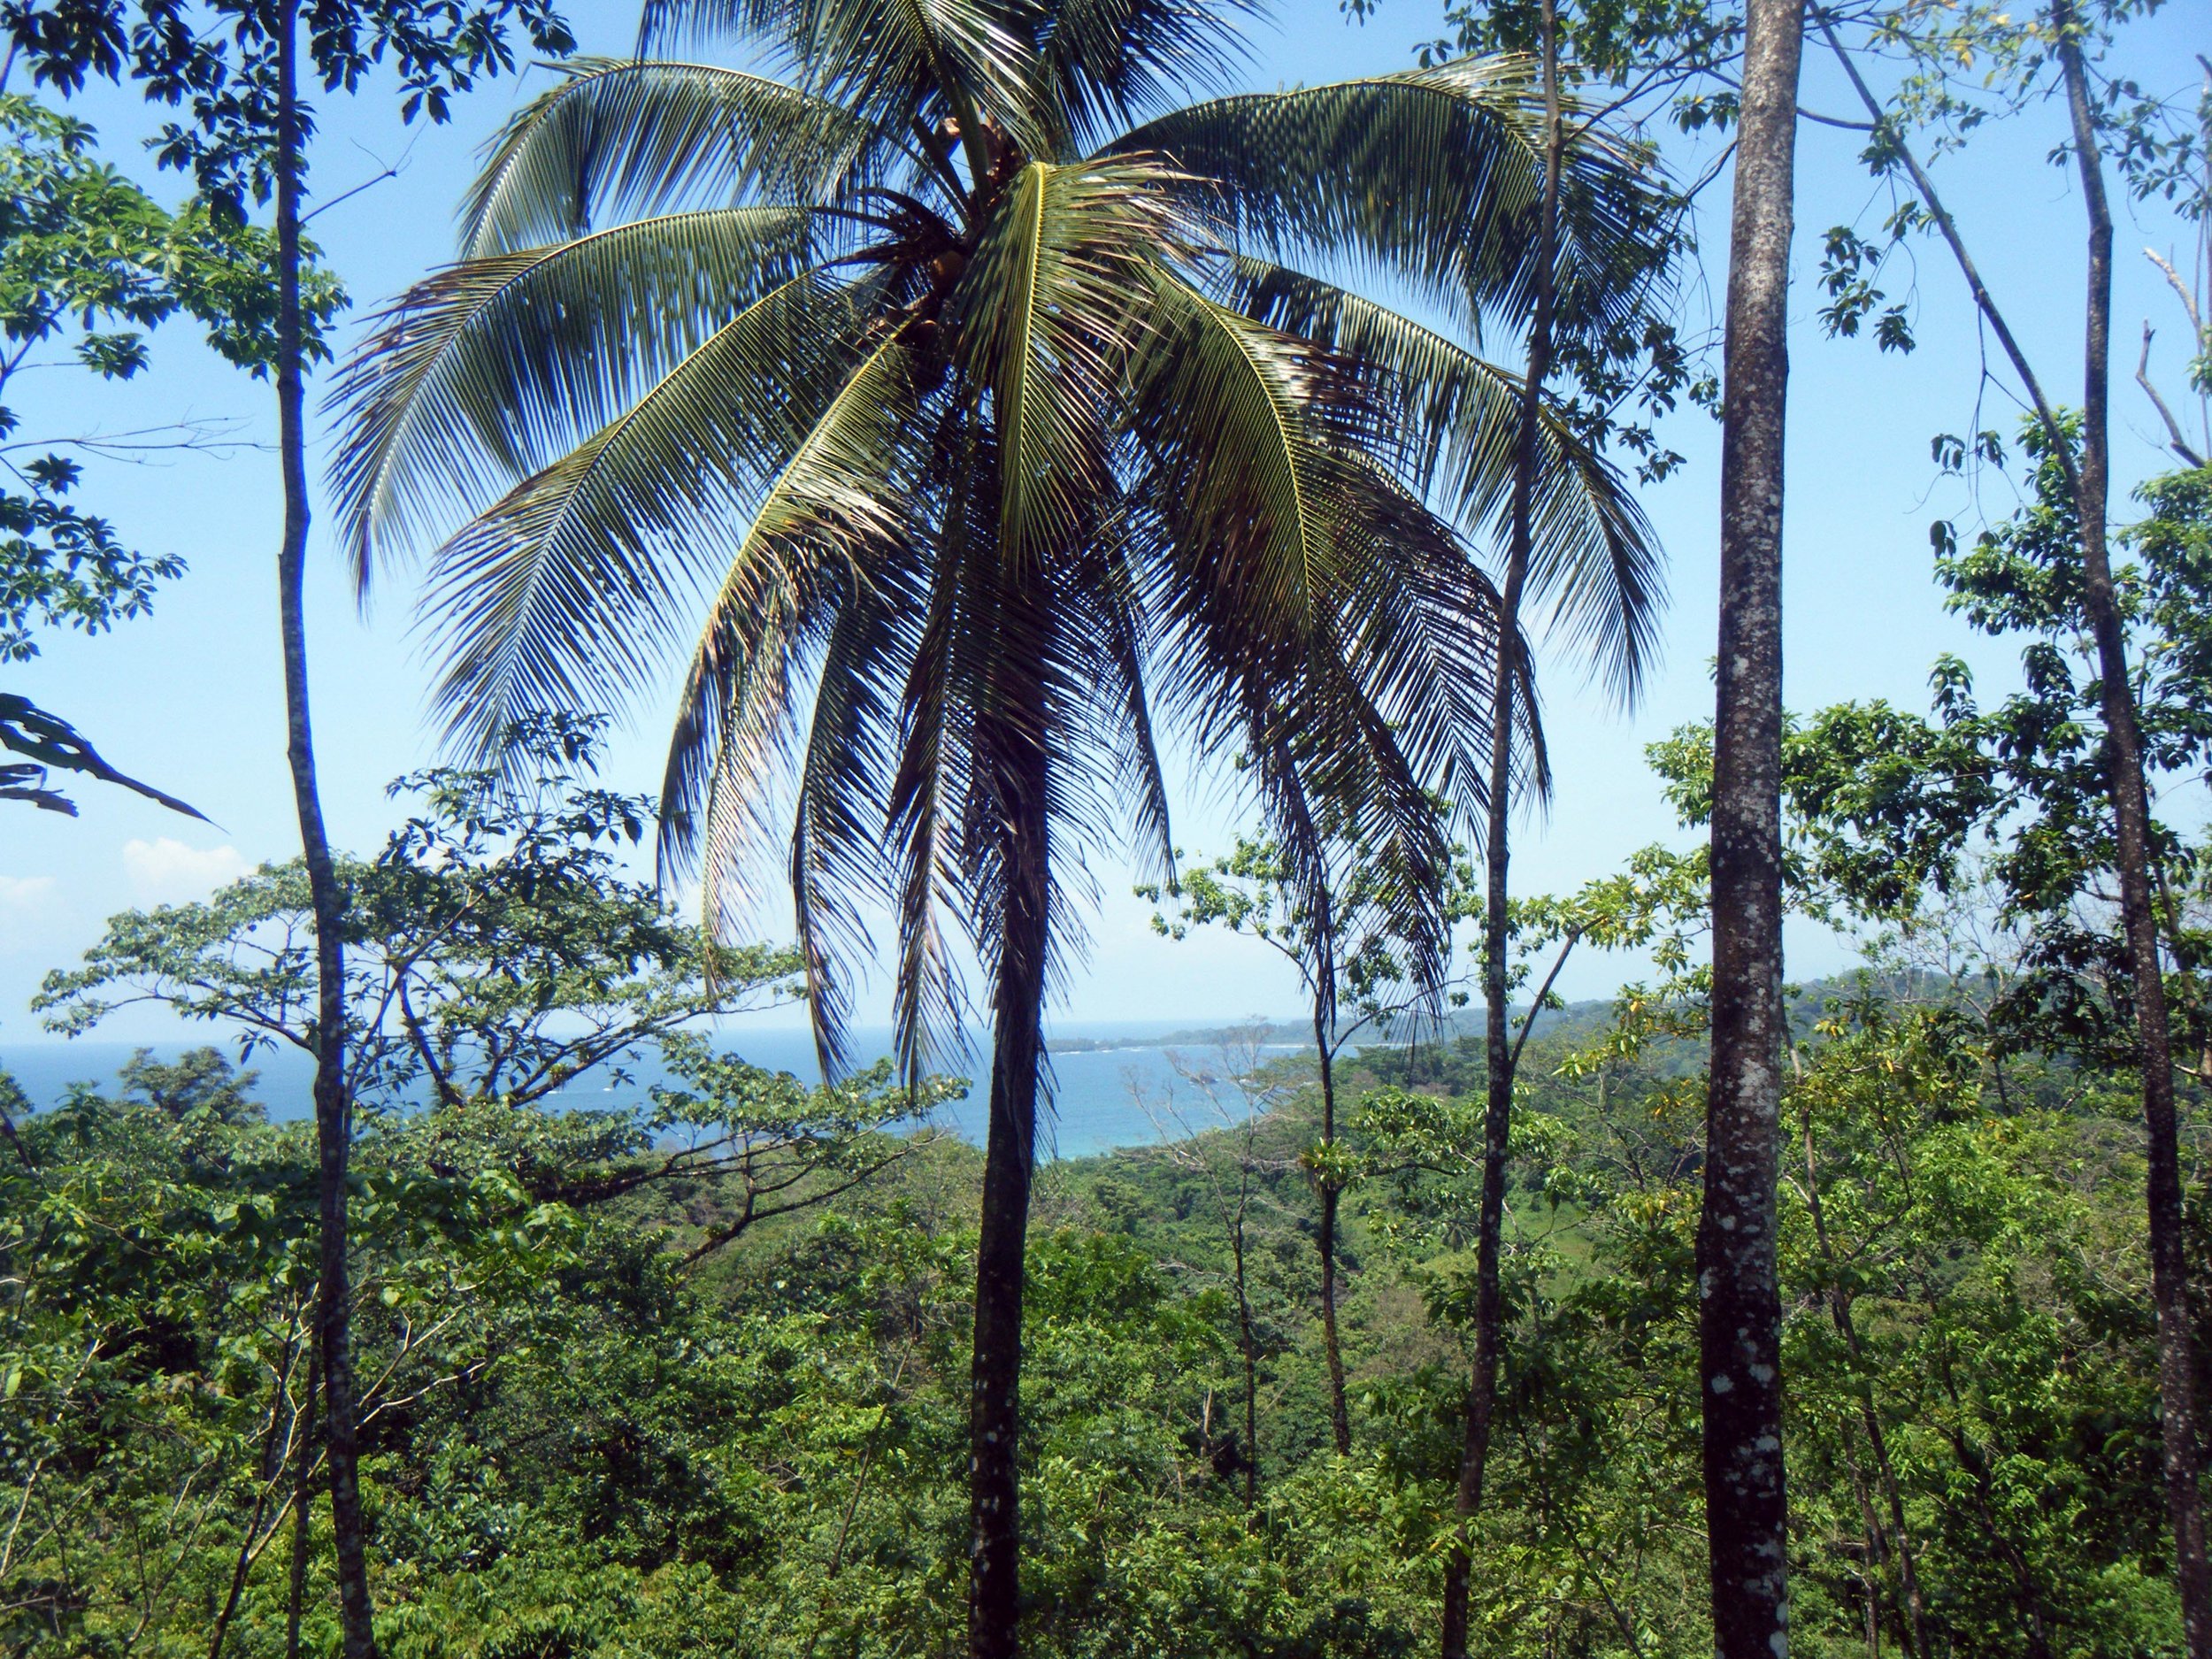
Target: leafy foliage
582,1431
88,258
992,430
497,955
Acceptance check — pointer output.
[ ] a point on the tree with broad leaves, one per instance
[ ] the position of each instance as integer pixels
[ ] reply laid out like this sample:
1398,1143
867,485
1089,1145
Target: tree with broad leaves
1004,406
89,262
1962,69
499,956
233,70
1337,935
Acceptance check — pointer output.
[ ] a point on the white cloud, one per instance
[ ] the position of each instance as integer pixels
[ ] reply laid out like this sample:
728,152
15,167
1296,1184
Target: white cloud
23,892
27,903
167,872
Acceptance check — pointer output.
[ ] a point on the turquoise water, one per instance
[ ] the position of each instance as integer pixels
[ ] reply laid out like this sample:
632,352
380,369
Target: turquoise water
1096,1092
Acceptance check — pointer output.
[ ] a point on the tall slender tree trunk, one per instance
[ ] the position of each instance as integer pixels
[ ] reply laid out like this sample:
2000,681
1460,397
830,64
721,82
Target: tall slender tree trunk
2130,813
334,1124
1877,1556
1324,1182
1009,1158
1249,1343
1740,1324
275,1447
302,1503
1482,1391
2089,478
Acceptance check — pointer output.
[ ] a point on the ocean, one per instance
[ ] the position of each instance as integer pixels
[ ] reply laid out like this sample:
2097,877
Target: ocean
1099,1096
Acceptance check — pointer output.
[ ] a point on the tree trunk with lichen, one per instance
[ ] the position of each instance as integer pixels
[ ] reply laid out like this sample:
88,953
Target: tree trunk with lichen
1740,1309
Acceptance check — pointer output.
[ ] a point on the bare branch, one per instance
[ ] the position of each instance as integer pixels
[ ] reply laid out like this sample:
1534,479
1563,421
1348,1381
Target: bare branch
1528,1021
2175,439
2180,287
139,445
2061,450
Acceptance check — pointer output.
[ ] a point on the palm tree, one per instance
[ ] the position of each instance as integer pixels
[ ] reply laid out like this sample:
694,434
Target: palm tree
972,434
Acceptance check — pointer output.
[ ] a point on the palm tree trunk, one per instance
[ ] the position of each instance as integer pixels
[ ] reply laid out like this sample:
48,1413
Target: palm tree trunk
1482,1392
1740,1302
2130,812
1325,1239
333,1108
1010,1156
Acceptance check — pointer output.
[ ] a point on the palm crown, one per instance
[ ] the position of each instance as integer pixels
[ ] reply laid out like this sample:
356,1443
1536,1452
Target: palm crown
975,406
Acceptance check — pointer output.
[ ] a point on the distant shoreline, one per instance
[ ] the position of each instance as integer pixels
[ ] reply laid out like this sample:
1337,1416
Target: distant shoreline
1266,1032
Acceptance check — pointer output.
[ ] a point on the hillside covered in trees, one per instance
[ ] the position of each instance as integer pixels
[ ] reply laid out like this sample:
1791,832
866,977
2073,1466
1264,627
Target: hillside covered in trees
860,481
692,1376
582,1436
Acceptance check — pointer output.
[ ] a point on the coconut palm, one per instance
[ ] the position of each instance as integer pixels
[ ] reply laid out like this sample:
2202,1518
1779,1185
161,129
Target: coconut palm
978,409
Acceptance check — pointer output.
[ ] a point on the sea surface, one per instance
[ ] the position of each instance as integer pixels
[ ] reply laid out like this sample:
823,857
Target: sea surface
1121,1088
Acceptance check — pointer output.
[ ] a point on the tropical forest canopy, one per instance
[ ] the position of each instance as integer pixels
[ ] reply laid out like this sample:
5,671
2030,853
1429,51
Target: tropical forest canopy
938,428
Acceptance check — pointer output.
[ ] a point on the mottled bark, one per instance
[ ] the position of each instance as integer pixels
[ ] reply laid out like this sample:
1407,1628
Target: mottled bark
2138,915
334,1115
1739,1300
1500,1054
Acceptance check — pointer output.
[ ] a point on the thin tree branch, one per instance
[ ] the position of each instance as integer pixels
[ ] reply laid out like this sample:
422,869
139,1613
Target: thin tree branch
2177,439
1984,300
2180,287
1528,1020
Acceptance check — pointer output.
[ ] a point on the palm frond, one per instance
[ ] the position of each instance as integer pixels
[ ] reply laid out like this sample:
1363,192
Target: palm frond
886,61
826,550
716,814
1417,623
1221,405
1046,312
1431,178
1103,662
1315,613
488,372
832,521
931,774
843,807
566,592
619,138
1597,567
1106,63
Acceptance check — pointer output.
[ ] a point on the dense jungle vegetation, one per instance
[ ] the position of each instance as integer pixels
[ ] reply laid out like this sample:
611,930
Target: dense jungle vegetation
691,1378
951,423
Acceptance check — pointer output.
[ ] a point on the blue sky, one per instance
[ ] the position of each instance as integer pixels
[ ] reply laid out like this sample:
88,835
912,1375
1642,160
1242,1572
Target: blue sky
190,698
